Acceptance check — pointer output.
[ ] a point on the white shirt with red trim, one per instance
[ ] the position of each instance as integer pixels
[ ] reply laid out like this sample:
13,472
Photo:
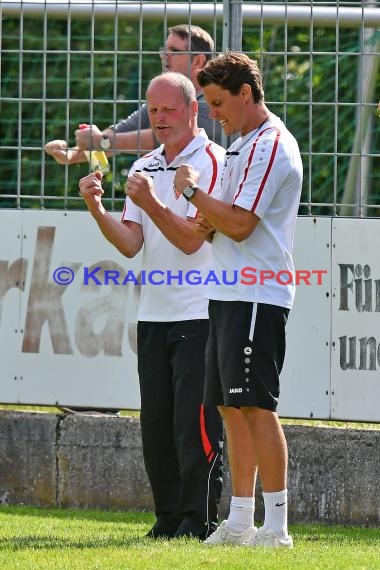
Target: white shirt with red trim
168,289
262,174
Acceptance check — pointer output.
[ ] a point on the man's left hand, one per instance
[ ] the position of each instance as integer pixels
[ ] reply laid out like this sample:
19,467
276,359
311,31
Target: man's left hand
139,188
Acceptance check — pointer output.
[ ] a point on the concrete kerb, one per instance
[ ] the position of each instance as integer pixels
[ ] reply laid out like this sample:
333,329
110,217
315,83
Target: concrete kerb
94,461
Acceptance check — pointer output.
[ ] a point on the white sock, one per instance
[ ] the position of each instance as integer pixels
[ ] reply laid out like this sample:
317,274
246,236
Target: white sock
276,512
241,513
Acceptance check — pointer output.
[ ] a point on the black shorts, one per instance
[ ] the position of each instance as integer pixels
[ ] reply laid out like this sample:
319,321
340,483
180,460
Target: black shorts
245,353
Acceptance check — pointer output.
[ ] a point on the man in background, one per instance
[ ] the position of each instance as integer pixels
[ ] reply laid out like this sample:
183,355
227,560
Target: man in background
187,49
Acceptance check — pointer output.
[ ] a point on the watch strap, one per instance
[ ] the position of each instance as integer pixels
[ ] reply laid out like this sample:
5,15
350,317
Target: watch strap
189,192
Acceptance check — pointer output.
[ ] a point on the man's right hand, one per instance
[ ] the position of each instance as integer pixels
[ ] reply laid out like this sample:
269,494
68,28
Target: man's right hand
90,188
59,151
203,228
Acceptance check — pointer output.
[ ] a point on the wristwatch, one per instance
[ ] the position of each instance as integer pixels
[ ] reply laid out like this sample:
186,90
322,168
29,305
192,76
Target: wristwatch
189,192
105,143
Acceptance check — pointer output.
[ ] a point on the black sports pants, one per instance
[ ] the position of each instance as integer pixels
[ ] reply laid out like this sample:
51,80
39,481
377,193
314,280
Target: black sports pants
182,439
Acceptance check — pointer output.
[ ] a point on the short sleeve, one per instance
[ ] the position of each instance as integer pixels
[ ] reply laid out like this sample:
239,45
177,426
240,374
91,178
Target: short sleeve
136,121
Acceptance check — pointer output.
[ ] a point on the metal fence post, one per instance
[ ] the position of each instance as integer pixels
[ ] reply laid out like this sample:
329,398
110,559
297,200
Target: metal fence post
232,37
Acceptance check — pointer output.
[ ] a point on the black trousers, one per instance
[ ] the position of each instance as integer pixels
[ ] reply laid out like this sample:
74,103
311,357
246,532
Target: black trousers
182,439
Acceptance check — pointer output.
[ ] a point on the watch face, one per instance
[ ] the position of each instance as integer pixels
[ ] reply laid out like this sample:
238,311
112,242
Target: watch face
189,192
105,143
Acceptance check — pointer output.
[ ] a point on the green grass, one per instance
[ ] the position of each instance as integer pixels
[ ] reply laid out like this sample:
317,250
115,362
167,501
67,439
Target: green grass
69,539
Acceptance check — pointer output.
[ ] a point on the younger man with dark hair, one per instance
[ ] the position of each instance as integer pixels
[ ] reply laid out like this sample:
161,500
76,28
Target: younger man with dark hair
252,225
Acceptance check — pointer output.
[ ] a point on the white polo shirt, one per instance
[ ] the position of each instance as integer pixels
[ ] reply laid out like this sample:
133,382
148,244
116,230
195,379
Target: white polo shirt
167,293
262,174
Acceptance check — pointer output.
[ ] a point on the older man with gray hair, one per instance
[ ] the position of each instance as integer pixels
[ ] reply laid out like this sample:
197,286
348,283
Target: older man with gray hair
182,438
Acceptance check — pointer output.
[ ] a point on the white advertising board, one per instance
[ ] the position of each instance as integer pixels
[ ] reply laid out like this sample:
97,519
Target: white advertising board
74,343
355,378
12,276
305,379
